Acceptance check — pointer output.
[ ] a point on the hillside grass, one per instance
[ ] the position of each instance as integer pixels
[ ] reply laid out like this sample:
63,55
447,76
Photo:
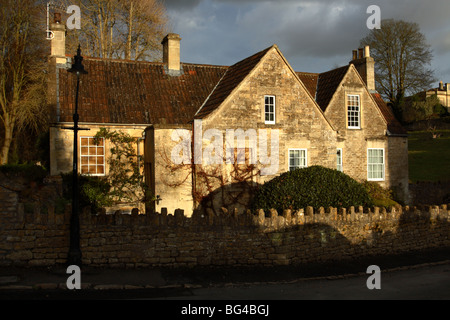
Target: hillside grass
429,159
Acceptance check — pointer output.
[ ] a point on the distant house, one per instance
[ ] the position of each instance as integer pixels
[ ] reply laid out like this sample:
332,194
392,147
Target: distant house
185,112
443,94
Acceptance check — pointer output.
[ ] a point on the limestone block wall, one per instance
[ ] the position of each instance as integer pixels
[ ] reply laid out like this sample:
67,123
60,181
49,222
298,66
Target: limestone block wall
61,143
171,182
40,237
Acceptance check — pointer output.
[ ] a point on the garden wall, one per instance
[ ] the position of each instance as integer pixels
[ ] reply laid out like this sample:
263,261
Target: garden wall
37,236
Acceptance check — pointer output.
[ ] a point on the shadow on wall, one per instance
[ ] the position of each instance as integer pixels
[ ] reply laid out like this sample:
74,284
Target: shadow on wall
430,192
235,196
217,237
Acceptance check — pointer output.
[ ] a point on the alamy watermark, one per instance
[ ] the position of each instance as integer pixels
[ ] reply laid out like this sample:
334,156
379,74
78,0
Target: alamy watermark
73,281
74,21
374,21
374,281
213,153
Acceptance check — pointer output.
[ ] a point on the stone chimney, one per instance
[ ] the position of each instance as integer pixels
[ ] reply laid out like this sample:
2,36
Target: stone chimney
58,42
171,53
365,65
441,85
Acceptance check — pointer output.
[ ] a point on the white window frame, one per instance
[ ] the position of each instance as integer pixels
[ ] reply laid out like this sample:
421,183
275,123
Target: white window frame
353,113
376,164
87,156
305,159
273,112
339,162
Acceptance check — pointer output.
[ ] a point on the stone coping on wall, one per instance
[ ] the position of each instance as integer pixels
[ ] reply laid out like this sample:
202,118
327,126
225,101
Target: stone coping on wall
268,220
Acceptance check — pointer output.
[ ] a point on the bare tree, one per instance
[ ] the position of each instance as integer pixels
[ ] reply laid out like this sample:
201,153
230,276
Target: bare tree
122,29
22,76
145,23
401,56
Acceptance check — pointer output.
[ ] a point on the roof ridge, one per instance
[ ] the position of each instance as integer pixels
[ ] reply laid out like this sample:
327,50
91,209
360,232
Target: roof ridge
214,89
151,62
233,76
335,69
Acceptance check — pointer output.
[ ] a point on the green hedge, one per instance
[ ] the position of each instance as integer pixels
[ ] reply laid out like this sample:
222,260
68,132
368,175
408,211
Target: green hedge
314,186
93,191
30,172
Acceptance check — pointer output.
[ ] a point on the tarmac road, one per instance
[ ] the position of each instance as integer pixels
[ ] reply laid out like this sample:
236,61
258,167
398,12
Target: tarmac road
430,281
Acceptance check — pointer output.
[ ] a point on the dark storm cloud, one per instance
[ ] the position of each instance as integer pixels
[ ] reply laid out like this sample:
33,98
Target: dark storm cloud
313,35
181,4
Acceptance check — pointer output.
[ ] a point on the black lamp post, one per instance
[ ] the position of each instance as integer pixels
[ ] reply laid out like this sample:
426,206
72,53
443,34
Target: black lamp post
74,257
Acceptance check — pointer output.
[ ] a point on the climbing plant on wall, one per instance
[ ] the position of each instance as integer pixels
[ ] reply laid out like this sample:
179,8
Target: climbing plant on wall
124,166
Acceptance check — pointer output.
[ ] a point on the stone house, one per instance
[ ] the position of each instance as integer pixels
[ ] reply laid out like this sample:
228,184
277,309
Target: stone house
218,130
442,92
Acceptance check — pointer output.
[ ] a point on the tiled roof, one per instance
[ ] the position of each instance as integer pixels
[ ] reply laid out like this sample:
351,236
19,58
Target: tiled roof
129,92
232,78
310,81
327,84
393,124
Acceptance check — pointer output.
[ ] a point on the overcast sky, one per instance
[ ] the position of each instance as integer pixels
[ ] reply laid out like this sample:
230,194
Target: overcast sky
314,36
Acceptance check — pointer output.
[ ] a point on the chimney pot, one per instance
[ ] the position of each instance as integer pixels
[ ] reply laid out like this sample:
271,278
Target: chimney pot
58,42
355,54
57,17
171,52
360,53
366,52
441,85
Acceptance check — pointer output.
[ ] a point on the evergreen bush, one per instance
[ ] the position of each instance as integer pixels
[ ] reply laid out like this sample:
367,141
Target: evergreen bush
314,186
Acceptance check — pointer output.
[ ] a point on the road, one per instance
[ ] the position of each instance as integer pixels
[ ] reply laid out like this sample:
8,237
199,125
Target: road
424,283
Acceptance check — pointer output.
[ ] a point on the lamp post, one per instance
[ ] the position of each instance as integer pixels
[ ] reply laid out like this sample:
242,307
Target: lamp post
74,256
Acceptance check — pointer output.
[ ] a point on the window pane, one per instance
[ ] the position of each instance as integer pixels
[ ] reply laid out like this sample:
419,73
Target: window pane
375,164
84,141
269,109
297,159
353,111
92,156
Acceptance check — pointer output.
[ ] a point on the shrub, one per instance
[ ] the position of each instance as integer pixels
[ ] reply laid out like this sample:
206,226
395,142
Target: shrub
94,191
314,186
29,172
381,197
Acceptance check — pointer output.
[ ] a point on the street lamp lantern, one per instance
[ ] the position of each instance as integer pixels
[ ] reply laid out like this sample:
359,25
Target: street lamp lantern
74,256
77,66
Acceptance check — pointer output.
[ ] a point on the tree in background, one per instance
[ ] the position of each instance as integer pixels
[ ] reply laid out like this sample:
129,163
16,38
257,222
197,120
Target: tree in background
401,57
22,72
121,29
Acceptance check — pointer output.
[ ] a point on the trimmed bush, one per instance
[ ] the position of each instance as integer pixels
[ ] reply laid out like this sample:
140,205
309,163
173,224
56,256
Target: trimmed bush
380,196
94,191
314,186
29,172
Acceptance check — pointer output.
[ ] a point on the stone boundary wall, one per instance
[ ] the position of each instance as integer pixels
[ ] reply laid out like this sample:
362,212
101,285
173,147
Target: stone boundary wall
38,237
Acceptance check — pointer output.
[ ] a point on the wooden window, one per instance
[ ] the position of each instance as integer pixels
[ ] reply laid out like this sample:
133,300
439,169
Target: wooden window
297,159
375,164
269,109
353,112
92,156
339,159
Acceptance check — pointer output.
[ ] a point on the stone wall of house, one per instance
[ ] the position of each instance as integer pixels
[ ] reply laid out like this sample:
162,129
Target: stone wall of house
354,142
397,167
299,124
61,143
170,181
35,236
372,134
